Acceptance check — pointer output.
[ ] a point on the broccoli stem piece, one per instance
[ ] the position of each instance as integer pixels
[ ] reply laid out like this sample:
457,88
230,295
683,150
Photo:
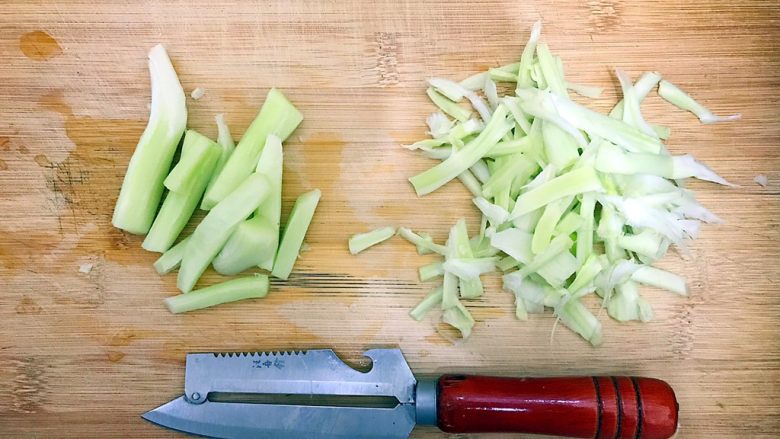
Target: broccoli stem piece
142,187
249,287
199,156
277,116
428,303
362,241
171,259
213,232
294,232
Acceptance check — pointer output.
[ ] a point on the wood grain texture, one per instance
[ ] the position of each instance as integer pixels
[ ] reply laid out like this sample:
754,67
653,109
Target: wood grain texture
83,355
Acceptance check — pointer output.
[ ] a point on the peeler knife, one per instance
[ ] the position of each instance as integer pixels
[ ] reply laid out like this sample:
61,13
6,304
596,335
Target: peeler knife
315,395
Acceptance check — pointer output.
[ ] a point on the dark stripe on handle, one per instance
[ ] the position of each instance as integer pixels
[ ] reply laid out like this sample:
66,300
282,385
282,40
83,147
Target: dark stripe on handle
639,409
601,407
619,408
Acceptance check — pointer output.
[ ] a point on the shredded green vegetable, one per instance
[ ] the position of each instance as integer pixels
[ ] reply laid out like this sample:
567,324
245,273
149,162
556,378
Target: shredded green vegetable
362,241
573,202
683,100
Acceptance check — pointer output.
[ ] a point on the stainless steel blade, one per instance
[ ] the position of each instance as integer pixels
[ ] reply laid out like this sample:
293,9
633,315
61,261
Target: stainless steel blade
315,372
239,421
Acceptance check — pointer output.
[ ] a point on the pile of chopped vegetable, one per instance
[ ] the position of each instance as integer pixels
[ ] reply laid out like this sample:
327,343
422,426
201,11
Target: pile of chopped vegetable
574,203
239,185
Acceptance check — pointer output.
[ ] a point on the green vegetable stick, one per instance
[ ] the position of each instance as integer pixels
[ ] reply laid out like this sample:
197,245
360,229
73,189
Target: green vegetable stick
642,87
142,187
254,242
277,116
431,271
199,156
294,232
171,259
428,303
251,241
271,165
574,315
421,242
214,230
249,287
459,317
225,140
198,152
527,58
585,234
362,241
464,158
546,226
578,181
448,106
684,101
656,277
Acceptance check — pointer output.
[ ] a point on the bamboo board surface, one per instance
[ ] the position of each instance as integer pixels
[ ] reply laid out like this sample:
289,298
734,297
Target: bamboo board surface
83,355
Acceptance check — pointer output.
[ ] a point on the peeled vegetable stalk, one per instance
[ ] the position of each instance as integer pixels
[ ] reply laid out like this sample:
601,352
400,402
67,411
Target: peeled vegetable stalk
277,116
229,291
294,232
362,241
214,230
142,187
578,203
243,191
198,157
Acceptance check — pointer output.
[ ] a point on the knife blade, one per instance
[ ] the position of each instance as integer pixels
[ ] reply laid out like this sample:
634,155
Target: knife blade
314,394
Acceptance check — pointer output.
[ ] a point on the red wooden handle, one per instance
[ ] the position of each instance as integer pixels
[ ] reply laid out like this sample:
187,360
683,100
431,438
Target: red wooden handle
582,407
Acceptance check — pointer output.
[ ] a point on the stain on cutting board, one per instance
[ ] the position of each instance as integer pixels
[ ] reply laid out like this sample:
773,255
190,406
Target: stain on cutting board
39,46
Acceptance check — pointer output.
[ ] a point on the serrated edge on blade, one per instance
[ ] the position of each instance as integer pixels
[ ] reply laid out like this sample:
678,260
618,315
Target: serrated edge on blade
255,353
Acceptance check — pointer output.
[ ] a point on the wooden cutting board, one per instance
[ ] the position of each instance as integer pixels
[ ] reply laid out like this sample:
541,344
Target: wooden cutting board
84,354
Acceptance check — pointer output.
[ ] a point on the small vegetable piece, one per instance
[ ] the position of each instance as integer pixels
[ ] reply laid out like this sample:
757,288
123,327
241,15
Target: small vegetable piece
214,230
459,317
255,241
428,303
197,93
572,183
225,141
199,156
297,225
761,180
656,277
431,271
421,242
612,159
142,187
250,242
249,287
362,241
171,259
463,159
448,106
679,98
277,116
589,91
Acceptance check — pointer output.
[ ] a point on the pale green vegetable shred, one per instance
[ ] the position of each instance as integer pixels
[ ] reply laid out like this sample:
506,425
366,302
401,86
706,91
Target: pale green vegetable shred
576,205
